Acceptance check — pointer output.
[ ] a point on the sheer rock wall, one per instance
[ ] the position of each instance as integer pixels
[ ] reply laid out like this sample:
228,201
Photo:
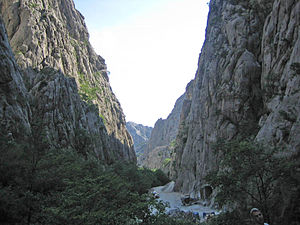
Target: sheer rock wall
247,83
160,148
48,36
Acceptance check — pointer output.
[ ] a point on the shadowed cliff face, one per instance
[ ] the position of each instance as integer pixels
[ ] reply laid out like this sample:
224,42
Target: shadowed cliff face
280,77
160,147
14,110
247,83
50,42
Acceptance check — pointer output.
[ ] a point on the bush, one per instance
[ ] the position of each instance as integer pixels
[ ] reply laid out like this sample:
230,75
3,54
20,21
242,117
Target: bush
60,186
228,218
161,177
250,175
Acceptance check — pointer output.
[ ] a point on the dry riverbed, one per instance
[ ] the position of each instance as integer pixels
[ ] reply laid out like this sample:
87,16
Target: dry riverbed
167,195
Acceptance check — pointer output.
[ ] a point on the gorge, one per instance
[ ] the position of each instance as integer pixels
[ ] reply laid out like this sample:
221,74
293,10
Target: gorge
247,84
55,95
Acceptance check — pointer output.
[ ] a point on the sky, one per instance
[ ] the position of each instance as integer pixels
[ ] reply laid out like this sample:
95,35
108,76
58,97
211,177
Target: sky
151,48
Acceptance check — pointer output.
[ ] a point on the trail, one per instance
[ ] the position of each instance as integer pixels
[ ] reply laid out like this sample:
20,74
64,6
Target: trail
167,195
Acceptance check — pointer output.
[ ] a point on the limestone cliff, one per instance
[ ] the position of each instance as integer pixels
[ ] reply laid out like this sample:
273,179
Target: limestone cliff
51,45
15,109
161,143
140,135
247,83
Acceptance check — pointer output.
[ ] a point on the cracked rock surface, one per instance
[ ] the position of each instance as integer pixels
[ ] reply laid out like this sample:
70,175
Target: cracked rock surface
247,83
50,44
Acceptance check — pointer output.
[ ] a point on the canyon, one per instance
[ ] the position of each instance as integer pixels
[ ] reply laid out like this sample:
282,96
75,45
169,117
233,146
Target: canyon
246,84
55,90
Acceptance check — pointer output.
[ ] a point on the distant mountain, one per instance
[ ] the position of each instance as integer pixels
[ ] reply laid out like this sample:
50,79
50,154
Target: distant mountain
140,135
160,148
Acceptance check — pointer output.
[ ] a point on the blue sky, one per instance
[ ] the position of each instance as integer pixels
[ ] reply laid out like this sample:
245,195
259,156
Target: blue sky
151,48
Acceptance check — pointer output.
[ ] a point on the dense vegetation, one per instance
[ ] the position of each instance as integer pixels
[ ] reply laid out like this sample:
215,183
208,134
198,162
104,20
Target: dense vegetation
253,175
39,185
43,185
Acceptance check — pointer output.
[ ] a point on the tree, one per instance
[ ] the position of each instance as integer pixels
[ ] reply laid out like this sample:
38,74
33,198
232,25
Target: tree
249,175
60,186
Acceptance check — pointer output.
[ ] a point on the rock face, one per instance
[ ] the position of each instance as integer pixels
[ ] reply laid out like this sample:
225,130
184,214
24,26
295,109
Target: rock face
280,77
247,83
161,143
140,135
50,42
15,109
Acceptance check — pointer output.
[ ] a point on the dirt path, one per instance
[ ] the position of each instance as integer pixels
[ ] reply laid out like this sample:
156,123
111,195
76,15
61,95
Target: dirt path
166,194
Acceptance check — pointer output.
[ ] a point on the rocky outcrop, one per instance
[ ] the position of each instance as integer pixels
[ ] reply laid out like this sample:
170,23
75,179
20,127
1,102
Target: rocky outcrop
14,105
280,78
247,83
51,45
162,141
140,135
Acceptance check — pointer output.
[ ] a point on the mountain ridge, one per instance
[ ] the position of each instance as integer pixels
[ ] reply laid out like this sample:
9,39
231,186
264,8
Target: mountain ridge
140,135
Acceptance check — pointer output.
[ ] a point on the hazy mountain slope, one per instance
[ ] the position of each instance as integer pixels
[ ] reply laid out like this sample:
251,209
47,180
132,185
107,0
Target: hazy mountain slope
160,145
140,135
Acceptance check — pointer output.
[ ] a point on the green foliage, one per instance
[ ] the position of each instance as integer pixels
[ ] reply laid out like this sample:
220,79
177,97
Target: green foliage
173,143
39,185
182,134
86,92
103,118
228,218
248,175
161,177
167,162
85,42
19,53
103,199
89,95
141,179
83,141
33,5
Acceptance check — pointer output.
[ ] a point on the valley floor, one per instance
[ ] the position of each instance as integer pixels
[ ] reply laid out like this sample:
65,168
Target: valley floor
167,195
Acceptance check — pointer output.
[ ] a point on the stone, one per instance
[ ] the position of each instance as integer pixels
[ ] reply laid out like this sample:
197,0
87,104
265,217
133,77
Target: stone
140,135
159,153
14,104
50,40
246,84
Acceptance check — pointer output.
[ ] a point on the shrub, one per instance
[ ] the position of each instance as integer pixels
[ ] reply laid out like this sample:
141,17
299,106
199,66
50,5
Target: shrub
228,218
249,175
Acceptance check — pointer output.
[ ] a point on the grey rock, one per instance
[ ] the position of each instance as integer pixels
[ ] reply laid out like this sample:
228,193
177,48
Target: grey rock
247,84
160,149
281,76
52,34
225,98
140,135
14,106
